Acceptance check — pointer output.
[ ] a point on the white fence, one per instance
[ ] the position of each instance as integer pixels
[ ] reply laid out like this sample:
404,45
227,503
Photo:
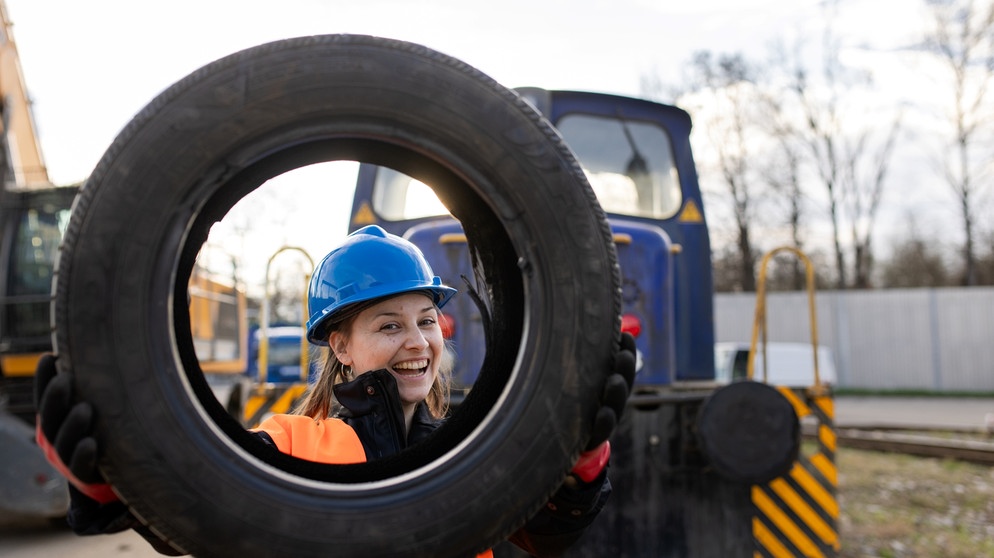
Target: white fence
917,339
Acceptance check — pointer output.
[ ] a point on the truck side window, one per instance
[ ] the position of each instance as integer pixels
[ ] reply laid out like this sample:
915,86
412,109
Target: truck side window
398,197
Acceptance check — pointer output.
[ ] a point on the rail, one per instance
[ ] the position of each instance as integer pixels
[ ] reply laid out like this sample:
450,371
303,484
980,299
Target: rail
921,443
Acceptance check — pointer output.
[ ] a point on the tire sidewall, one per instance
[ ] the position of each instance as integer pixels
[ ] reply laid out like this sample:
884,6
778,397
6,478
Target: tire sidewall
115,297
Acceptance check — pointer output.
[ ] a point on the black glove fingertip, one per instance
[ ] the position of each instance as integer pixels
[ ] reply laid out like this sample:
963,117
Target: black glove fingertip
604,425
78,424
84,462
627,342
624,365
615,395
55,405
44,372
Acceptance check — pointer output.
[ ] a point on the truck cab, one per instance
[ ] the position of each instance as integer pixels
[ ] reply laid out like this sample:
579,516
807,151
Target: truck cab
636,155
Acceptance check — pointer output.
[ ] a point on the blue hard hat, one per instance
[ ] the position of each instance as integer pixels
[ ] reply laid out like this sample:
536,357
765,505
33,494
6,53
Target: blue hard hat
370,263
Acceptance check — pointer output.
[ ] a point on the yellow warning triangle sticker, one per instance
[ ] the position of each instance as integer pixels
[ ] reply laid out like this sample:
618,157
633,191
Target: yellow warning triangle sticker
364,215
690,213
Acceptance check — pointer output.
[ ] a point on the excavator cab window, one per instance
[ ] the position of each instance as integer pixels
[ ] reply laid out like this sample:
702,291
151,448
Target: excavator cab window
36,234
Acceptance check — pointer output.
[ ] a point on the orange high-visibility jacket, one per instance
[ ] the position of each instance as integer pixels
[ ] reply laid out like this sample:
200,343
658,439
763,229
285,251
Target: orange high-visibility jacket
324,441
329,441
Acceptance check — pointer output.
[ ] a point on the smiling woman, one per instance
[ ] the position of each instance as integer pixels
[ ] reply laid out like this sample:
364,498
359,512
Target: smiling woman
540,243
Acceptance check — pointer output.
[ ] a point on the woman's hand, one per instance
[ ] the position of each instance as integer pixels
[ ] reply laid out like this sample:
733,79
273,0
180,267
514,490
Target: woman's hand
614,398
64,431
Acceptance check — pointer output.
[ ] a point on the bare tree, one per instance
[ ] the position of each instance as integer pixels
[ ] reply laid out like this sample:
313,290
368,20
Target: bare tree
724,93
726,269
782,272
915,262
962,38
797,129
287,293
783,172
985,261
821,132
865,174
849,156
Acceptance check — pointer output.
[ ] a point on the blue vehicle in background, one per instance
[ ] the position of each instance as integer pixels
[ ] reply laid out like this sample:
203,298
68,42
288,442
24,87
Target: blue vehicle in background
690,454
255,395
637,157
284,359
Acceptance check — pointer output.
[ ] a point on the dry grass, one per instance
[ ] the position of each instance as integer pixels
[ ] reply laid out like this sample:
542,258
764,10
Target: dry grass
900,506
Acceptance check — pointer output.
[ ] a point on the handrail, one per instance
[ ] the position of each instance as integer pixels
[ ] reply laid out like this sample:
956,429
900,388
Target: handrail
759,322
264,322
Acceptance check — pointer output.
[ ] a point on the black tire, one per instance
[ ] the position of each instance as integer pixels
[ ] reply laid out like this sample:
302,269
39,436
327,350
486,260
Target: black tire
749,431
543,251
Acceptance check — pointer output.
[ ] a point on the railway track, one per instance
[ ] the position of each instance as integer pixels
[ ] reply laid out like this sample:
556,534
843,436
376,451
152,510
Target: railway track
962,446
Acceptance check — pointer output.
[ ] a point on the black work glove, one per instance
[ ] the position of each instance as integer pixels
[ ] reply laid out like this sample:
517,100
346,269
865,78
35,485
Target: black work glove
614,398
64,431
617,388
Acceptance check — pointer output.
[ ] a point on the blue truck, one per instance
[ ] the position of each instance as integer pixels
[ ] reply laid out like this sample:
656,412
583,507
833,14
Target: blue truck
638,159
283,355
686,465
252,396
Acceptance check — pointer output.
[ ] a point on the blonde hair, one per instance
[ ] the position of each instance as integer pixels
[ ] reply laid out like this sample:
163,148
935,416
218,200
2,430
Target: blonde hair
319,401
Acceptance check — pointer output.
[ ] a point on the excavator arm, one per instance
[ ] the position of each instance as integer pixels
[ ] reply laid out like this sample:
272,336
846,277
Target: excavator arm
21,159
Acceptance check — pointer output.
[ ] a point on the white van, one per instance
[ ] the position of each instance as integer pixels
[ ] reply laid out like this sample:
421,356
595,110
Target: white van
791,364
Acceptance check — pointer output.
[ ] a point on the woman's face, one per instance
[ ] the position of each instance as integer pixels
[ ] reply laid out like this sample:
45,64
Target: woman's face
400,334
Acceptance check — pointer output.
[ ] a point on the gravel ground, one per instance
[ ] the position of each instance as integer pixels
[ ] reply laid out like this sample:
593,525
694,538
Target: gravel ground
897,506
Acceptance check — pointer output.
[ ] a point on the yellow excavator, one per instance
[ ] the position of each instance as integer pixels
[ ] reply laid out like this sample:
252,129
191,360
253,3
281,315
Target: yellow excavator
24,165
33,215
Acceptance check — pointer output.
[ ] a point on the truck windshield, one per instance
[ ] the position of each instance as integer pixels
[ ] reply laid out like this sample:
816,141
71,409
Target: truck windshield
629,165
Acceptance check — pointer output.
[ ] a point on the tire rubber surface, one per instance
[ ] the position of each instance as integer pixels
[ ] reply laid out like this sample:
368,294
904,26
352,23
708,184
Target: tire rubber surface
543,258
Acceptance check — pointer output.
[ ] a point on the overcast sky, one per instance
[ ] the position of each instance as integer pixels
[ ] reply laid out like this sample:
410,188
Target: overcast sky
90,66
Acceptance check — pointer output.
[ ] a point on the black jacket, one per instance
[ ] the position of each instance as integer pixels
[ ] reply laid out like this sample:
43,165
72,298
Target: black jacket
370,404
